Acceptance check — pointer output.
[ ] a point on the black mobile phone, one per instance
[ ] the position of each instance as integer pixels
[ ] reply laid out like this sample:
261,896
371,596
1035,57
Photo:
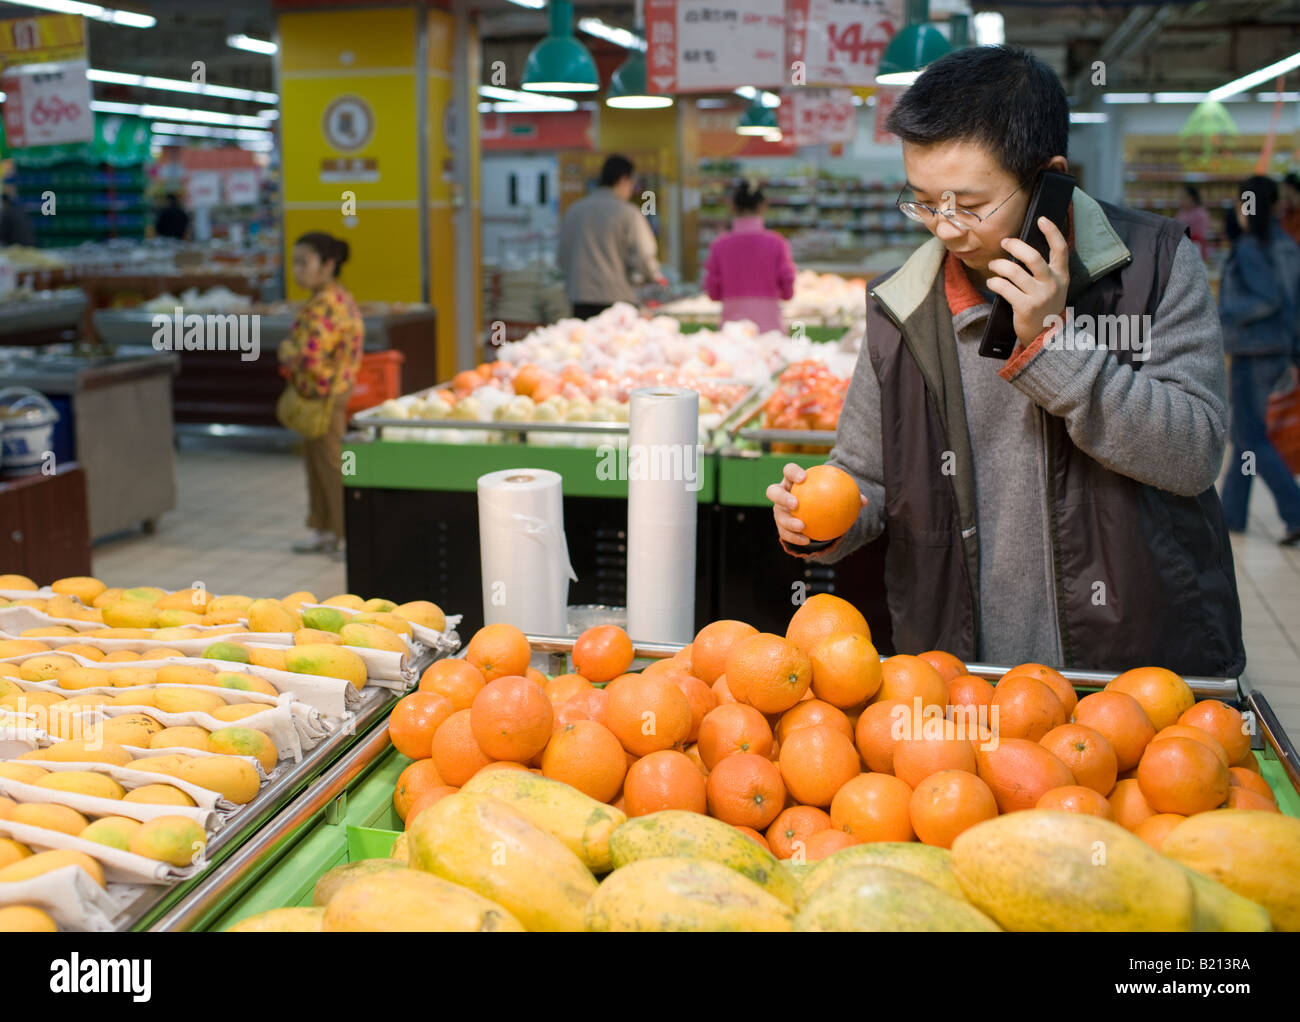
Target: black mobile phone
1051,198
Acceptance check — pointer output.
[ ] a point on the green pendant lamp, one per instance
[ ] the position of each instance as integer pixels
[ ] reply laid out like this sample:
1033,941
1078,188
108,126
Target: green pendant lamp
757,120
912,49
559,63
627,86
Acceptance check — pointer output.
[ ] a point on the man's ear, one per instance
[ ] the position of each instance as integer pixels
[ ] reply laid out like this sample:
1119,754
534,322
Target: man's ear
1059,164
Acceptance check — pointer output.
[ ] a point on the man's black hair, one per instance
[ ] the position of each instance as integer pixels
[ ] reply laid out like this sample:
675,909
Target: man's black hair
615,169
1002,98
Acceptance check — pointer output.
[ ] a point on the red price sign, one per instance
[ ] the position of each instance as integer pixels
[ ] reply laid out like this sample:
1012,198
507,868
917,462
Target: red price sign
49,107
818,116
841,42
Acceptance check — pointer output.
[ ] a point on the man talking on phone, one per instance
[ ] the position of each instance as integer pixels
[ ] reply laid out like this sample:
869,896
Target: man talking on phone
1058,506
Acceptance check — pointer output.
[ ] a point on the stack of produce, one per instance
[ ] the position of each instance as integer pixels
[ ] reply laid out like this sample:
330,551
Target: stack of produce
149,718
808,395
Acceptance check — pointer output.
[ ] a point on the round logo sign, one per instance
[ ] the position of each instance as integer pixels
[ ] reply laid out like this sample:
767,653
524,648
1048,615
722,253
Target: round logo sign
349,123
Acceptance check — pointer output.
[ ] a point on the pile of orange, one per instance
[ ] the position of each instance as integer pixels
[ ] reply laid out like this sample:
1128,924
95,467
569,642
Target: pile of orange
808,742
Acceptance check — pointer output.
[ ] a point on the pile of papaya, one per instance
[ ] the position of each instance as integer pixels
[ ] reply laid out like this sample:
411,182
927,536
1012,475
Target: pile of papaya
514,851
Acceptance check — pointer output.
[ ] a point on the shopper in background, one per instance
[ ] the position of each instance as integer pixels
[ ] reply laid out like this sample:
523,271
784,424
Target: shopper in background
749,268
1193,213
604,242
173,221
1290,208
322,354
1260,311
15,225
1058,507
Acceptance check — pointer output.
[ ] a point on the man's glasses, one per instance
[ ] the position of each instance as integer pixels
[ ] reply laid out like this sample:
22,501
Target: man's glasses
961,218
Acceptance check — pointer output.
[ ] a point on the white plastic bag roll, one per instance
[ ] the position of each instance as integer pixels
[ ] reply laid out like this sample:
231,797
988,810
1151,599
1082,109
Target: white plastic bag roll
663,483
524,556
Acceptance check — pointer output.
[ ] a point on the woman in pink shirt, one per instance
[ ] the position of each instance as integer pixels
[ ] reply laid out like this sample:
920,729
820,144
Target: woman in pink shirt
749,268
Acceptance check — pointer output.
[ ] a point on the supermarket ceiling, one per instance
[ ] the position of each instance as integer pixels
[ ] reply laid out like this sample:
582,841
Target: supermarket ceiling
1185,45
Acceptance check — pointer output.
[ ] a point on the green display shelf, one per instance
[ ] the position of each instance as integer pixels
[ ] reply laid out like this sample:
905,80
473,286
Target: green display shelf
457,467
743,479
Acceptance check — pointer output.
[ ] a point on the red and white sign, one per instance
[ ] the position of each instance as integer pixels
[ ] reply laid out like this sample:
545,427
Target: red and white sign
840,42
203,189
714,45
242,188
818,116
47,107
885,100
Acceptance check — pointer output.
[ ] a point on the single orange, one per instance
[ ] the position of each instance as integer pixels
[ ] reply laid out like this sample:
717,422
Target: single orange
1119,717
458,680
1163,695
1074,798
881,726
414,720
948,802
1154,829
712,643
1129,804
594,702
499,651
732,728
1244,798
768,671
1024,707
824,843
1053,679
1019,771
1180,775
1240,777
564,687
567,713
602,653
916,757
845,669
647,714
828,502
821,616
788,835
1224,722
666,779
512,719
809,713
1196,735
701,698
456,753
745,790
587,756
874,807
906,677
1087,754
414,781
948,666
816,762
1248,762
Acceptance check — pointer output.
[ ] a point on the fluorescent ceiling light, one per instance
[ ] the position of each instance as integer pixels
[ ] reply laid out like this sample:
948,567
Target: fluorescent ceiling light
990,29
1084,117
770,99
509,100
129,19
1126,97
610,33
1249,81
532,5
176,113
711,104
528,108
244,42
1181,97
898,78
205,131
180,85
1272,97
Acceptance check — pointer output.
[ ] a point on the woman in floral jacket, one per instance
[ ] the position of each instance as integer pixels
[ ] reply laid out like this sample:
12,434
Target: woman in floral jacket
322,354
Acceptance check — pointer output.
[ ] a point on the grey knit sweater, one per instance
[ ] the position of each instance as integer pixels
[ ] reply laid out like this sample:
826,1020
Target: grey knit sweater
1163,424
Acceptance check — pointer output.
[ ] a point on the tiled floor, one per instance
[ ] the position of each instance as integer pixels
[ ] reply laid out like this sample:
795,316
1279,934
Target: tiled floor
238,512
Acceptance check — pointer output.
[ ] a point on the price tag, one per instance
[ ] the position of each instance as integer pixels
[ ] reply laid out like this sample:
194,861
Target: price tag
203,189
818,116
47,104
841,42
242,188
714,45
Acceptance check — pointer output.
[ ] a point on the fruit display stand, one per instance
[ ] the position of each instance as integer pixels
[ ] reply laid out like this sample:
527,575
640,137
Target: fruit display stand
320,717
347,814
41,317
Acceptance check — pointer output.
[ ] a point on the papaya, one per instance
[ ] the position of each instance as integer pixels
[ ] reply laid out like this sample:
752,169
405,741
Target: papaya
677,895
78,751
50,816
1220,910
1040,870
11,851
927,862
26,919
1255,853
582,824
401,851
82,782
232,778
675,833
408,900
334,880
282,920
485,844
866,898
47,862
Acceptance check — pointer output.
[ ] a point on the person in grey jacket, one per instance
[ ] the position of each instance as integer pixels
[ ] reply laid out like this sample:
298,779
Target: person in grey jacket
1058,507
1260,313
605,242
